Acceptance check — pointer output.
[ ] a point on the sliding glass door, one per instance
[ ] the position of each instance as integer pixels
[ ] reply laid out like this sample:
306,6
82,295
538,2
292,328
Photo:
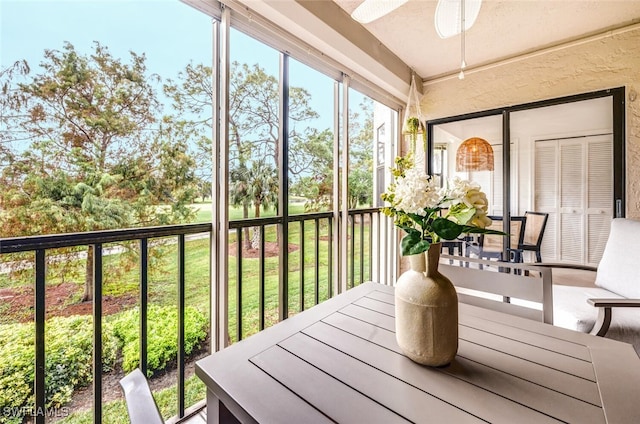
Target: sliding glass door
565,159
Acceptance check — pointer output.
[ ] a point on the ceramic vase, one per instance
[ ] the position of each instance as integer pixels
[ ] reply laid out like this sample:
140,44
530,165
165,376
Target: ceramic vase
427,311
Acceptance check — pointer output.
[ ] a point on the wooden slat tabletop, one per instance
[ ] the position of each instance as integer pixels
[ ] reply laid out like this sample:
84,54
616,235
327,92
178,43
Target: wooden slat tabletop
339,362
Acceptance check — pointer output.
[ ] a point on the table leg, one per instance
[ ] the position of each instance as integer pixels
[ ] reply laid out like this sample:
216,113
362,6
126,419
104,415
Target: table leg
217,412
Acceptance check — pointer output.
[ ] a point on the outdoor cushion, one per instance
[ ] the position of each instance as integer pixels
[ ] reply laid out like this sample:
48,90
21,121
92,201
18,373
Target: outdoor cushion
571,310
619,270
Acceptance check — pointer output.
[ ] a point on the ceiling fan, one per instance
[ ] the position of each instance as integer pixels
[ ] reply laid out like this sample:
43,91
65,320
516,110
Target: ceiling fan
447,17
370,10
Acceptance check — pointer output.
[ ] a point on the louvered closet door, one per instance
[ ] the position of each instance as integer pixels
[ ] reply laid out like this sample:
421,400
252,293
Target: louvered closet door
599,195
546,195
574,184
572,195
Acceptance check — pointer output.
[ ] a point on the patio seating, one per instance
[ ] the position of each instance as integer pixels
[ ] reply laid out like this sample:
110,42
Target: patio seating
520,289
535,223
490,246
141,406
590,309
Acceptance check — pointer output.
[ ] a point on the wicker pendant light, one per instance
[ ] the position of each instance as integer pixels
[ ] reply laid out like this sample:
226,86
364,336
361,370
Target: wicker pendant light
474,154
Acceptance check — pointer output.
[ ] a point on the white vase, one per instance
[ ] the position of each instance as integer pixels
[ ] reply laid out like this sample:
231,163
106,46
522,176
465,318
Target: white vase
427,311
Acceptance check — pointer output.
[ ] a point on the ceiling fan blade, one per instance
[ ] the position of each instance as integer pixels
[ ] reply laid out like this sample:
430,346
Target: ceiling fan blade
370,10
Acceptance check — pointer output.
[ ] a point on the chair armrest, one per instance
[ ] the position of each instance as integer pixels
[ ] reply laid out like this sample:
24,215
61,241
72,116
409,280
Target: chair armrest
604,306
613,303
567,266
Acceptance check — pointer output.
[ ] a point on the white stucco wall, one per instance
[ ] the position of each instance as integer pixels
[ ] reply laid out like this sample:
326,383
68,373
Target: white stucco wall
595,64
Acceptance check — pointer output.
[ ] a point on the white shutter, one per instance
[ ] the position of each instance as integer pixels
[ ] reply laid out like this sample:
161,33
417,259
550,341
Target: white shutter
546,194
599,196
572,178
574,184
600,177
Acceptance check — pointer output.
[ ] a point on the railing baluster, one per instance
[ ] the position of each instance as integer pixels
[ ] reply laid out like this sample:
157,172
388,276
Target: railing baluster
371,246
261,266
317,267
301,266
352,253
181,310
239,285
361,248
144,288
330,260
39,312
97,332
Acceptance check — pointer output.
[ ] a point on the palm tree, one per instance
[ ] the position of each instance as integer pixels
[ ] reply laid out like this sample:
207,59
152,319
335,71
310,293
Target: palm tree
255,185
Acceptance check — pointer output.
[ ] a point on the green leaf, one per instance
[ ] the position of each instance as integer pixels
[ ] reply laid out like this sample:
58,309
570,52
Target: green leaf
446,229
476,230
418,219
412,244
410,230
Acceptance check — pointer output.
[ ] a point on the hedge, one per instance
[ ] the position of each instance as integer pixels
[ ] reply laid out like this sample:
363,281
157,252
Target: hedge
68,362
69,353
162,342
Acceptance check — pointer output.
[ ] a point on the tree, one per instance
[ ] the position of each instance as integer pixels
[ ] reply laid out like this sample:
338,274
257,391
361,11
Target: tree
255,184
94,109
360,184
10,100
96,160
314,155
253,122
312,168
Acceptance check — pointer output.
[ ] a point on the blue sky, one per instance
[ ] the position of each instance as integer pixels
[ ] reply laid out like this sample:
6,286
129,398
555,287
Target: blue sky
169,32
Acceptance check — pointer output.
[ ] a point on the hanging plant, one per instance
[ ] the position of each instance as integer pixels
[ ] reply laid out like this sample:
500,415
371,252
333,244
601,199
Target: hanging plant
413,126
413,117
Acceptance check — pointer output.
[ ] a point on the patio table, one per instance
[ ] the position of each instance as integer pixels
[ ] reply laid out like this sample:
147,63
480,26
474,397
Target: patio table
339,362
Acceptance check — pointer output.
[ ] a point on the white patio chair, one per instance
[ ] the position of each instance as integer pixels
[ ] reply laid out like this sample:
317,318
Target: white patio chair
141,405
590,309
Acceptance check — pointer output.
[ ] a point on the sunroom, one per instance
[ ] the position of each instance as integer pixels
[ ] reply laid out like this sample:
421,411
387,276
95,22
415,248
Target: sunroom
306,159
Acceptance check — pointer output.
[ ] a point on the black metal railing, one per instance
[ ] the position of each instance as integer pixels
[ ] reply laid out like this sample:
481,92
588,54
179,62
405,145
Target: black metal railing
315,231
361,219
96,240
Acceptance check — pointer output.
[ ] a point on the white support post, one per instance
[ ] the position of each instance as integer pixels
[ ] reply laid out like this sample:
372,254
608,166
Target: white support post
335,236
344,189
219,251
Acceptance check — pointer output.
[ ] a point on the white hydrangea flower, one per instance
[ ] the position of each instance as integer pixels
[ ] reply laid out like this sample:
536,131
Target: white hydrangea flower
468,193
415,192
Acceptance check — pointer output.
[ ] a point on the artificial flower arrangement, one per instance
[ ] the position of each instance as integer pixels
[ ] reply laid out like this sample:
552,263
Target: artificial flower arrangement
429,214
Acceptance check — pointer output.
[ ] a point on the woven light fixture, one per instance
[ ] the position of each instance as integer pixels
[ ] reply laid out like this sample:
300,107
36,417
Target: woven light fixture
474,154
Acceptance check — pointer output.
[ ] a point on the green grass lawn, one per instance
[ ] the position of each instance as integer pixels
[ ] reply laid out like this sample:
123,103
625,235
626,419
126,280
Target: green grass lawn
203,211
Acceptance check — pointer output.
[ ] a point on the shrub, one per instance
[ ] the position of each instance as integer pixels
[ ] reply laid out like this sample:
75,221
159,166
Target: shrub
162,343
68,361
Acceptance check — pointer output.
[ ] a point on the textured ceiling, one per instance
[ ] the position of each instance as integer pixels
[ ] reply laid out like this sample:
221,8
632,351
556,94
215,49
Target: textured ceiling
504,29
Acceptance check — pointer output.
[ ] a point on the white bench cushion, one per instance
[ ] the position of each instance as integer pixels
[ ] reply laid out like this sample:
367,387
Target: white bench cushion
571,310
619,270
